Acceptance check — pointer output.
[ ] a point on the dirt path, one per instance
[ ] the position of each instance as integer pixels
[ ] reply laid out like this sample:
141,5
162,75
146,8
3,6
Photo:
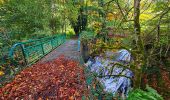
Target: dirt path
68,49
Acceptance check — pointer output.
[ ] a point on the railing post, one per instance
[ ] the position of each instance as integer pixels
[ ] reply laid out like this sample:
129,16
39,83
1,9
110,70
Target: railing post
65,35
25,57
52,43
57,42
11,52
42,48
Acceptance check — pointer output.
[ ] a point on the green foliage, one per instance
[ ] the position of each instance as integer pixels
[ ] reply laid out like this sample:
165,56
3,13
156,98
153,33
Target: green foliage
25,16
71,11
164,40
70,35
87,35
149,94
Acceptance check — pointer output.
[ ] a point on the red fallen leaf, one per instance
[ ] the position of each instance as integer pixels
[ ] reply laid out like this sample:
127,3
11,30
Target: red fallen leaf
165,87
57,79
40,98
71,98
77,93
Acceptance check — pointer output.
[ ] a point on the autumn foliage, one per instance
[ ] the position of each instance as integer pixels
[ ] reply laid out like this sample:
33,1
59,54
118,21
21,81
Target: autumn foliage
162,85
60,79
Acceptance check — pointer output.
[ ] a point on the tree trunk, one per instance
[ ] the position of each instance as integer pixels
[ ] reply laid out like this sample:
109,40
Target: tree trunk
158,33
140,65
84,50
102,14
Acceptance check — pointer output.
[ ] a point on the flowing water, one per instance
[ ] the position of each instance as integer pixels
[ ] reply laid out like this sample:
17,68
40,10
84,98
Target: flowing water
120,82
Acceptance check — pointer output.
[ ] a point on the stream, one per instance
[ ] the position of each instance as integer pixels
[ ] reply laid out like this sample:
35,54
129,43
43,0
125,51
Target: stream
120,80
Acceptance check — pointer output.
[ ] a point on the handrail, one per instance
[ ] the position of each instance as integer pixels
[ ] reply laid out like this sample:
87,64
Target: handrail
33,50
11,52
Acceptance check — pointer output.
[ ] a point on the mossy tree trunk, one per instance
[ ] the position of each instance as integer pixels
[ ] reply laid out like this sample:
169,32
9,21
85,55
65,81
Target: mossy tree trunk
140,61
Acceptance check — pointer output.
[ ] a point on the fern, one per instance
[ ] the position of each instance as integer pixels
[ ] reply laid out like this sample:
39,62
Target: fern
149,94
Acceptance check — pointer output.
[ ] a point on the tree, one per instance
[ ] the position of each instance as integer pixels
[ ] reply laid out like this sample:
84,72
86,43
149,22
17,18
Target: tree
140,47
24,16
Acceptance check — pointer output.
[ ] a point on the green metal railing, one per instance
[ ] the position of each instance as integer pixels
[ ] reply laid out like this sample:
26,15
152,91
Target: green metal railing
30,51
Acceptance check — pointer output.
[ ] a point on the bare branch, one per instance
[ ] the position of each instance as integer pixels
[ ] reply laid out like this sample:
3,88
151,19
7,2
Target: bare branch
108,2
115,76
147,7
121,11
167,50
